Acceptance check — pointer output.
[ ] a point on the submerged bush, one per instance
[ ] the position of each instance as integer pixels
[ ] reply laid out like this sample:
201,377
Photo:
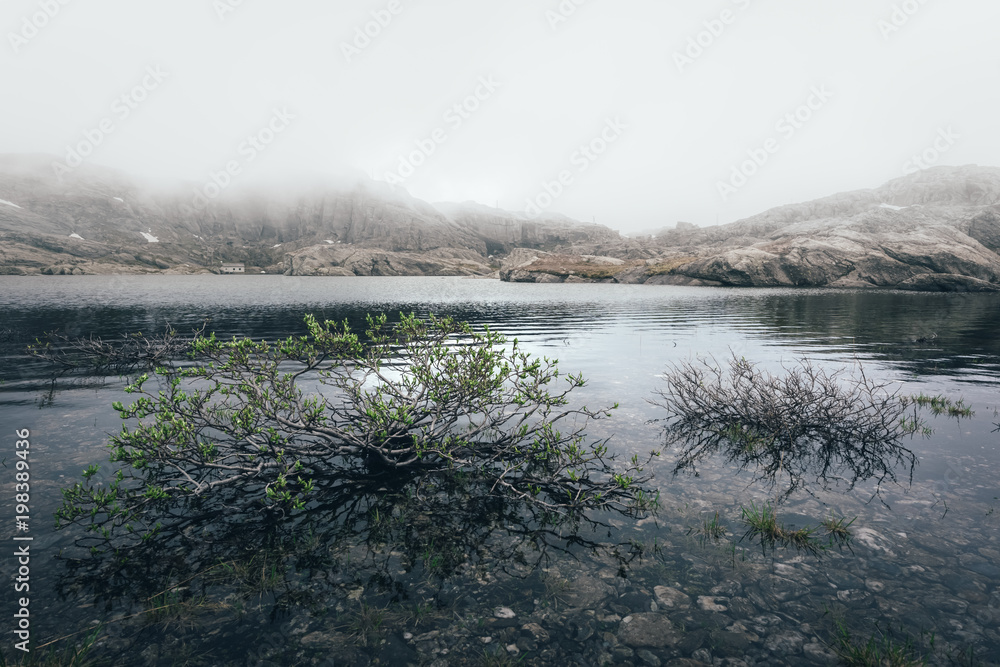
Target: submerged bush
807,422
250,424
123,355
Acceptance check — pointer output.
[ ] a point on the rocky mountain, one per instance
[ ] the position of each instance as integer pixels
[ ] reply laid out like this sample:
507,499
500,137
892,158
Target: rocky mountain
98,220
934,230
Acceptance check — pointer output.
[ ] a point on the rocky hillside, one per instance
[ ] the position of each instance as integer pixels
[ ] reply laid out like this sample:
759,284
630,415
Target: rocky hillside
934,230
98,220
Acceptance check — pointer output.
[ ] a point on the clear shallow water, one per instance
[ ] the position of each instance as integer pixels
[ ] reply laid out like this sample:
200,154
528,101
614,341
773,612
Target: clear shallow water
928,559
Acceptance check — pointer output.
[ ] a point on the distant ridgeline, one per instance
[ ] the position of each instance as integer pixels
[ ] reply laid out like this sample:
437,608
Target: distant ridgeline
95,220
937,229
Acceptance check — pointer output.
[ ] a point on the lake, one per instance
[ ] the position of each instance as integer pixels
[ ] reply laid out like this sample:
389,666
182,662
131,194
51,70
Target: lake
920,576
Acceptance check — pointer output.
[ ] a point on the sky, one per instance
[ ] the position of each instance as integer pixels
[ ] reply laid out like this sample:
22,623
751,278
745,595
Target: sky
632,113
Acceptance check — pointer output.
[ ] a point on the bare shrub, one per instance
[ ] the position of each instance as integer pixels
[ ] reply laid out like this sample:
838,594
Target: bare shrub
834,427
130,352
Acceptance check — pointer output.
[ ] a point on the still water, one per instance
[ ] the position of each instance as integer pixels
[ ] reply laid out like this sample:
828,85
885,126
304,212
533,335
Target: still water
921,575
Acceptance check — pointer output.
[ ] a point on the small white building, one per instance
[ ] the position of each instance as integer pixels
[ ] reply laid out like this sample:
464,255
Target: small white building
233,268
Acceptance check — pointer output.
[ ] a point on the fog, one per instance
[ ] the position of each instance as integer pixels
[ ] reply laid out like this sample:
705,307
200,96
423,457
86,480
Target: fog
633,113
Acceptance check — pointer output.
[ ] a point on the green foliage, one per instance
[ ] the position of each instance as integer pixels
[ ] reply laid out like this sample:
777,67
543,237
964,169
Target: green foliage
710,529
47,655
838,529
254,424
942,405
498,657
880,650
365,626
762,523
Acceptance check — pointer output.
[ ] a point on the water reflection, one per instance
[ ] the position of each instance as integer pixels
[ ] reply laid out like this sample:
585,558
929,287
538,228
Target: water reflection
803,423
920,334
388,539
930,563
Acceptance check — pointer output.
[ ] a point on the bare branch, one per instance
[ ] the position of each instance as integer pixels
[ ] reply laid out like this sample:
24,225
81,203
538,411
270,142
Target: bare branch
808,423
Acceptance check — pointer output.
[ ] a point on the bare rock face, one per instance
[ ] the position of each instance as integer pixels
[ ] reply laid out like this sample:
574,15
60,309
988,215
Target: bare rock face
524,265
985,228
946,282
916,232
98,220
937,230
341,260
503,231
876,248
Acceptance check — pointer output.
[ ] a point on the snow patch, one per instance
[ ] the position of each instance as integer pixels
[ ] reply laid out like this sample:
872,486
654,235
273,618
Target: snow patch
120,199
74,235
9,203
891,207
330,242
150,237
276,245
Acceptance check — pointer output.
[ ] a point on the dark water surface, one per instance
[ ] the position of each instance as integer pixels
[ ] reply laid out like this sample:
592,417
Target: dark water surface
924,563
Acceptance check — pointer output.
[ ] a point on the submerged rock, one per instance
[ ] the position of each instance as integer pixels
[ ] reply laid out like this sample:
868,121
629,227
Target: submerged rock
671,598
585,592
649,630
504,612
711,603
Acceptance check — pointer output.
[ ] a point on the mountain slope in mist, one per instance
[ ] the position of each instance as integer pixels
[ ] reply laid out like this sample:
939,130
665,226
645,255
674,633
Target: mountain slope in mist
98,220
934,230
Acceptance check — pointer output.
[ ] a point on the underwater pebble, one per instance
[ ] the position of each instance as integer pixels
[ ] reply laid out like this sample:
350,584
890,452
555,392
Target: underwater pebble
874,586
671,598
711,603
785,643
